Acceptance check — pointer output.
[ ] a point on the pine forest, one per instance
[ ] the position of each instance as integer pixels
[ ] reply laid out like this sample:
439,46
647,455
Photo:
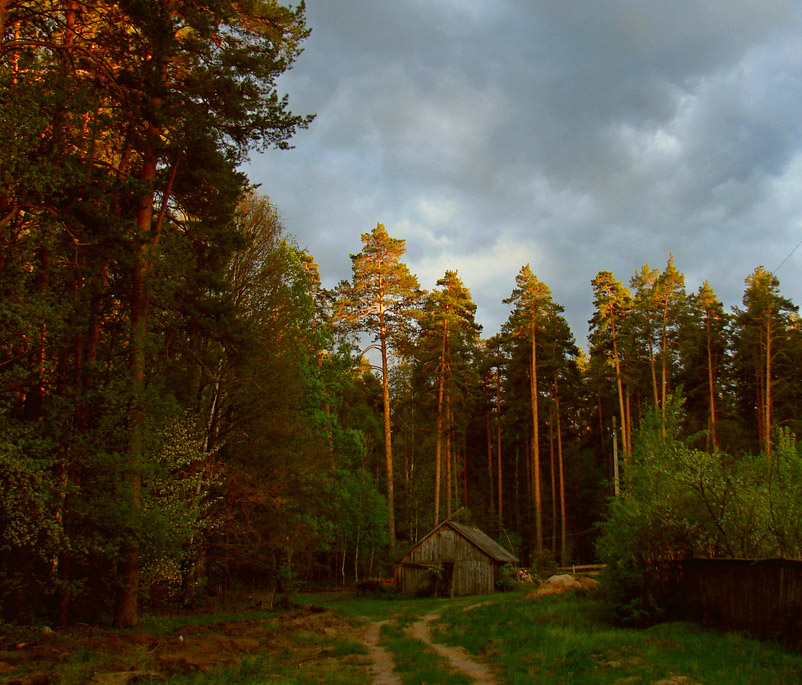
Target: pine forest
186,411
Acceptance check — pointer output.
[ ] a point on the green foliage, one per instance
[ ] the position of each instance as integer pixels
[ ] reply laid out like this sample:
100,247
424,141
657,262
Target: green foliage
431,583
507,578
28,493
177,504
376,589
119,182
382,294
679,502
359,518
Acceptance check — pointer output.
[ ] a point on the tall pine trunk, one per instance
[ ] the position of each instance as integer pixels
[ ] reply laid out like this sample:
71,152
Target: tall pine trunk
147,238
490,470
535,445
125,614
620,388
653,371
553,474
711,385
664,379
449,460
441,381
563,522
767,398
499,489
388,440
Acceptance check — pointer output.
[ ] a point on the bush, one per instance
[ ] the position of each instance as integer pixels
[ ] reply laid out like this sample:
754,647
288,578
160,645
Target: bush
625,591
678,502
375,588
434,574
507,578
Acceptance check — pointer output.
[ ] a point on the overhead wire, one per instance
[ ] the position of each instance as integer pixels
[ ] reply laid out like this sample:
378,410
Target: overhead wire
787,257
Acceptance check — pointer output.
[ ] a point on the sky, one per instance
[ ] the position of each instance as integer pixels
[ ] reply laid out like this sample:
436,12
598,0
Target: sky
573,136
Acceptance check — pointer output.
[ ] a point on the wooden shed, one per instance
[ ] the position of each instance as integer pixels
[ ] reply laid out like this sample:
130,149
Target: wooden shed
469,559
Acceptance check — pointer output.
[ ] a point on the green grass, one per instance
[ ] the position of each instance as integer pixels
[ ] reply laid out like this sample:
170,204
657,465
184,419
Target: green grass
349,647
558,639
415,662
266,670
334,661
167,624
564,639
381,608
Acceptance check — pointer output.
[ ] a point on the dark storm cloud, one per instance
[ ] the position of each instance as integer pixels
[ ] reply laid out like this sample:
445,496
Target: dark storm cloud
572,136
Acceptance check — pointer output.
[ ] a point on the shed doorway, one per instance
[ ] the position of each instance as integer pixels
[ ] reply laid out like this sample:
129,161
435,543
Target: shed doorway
445,584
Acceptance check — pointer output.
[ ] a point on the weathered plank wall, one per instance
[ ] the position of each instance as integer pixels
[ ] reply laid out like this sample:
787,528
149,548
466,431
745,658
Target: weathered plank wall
473,572
761,598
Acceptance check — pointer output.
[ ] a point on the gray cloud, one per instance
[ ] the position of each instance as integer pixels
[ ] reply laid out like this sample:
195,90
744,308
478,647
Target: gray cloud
574,137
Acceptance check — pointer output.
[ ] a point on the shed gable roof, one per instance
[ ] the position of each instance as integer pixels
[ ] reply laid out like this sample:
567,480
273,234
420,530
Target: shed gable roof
476,537
484,542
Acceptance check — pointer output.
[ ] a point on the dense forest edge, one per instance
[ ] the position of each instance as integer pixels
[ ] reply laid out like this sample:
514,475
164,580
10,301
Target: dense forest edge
185,410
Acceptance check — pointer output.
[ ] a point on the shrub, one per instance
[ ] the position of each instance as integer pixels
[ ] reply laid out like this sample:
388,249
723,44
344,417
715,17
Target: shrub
434,574
678,502
507,578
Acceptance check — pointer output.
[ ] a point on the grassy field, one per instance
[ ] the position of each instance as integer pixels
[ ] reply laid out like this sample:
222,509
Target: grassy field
565,639
558,639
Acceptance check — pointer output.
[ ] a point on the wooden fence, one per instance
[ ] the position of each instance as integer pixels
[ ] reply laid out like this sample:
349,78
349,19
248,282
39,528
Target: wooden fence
760,598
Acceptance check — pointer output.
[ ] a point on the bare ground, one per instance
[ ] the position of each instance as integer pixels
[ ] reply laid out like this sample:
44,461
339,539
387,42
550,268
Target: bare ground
460,659
84,654
39,656
382,665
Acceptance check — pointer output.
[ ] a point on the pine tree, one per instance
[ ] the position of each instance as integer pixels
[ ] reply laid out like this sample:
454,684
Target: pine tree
645,320
612,303
137,115
670,295
761,337
533,310
380,300
704,351
448,325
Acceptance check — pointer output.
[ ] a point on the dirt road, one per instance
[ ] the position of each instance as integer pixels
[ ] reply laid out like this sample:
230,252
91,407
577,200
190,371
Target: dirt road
459,659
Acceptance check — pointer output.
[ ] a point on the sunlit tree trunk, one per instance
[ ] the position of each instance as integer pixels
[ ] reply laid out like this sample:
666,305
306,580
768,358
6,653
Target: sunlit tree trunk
620,388
491,473
536,490
563,522
711,384
767,398
449,458
441,381
553,474
388,440
653,370
499,487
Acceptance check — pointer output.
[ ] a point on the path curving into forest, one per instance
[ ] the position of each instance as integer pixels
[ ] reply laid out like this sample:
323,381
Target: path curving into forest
460,658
